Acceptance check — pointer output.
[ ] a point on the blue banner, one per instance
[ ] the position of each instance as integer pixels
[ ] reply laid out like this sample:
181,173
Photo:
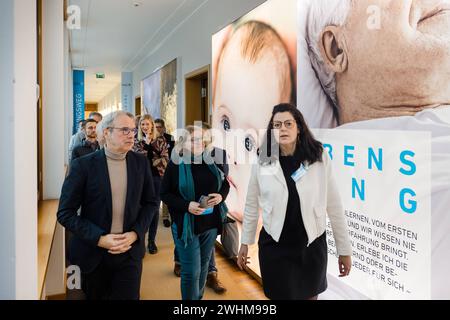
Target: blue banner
78,98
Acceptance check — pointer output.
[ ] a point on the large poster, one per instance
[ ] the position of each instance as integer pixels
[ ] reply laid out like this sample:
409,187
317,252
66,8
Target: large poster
384,181
151,93
374,75
254,69
159,92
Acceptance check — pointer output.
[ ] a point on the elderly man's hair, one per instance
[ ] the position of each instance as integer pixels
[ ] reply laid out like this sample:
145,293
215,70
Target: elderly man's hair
108,120
323,13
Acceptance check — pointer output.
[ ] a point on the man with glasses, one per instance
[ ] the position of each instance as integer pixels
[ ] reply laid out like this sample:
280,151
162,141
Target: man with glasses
114,189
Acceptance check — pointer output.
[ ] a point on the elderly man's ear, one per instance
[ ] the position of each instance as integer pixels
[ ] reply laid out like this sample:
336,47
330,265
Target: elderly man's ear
334,51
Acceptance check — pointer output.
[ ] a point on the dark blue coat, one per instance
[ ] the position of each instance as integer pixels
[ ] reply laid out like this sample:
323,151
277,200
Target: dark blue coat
88,186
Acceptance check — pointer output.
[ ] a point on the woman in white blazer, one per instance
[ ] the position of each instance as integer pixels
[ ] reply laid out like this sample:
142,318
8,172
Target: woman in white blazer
294,187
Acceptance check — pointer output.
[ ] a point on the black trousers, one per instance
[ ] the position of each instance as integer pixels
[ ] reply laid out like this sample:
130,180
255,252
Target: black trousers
117,277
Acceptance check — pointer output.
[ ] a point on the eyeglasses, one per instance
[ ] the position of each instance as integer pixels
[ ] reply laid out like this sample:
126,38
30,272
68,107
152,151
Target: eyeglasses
196,140
289,124
125,131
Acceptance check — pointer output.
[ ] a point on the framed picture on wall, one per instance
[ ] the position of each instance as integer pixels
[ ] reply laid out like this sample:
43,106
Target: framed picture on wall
159,95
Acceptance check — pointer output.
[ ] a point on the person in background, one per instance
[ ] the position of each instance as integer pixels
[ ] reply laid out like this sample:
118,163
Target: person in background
189,177
114,189
90,143
294,185
156,148
77,138
161,128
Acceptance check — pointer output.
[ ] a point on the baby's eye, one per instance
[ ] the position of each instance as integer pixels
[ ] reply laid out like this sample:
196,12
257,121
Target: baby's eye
249,143
226,123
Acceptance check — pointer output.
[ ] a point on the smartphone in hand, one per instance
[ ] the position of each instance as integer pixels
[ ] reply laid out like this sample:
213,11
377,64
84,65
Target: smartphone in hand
204,205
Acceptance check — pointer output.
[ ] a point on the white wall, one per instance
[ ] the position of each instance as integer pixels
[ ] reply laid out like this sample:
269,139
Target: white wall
7,203
127,92
18,172
53,98
191,43
111,102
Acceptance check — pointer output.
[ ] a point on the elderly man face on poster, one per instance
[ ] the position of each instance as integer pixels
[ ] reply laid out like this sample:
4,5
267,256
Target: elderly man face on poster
383,65
380,58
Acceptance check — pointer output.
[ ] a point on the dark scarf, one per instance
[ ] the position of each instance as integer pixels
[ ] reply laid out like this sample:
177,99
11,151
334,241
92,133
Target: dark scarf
187,191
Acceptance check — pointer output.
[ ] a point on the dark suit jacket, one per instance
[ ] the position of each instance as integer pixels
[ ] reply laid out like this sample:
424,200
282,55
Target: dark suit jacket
88,186
84,149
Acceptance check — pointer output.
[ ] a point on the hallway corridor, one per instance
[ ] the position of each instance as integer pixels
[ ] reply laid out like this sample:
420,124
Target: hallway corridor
159,282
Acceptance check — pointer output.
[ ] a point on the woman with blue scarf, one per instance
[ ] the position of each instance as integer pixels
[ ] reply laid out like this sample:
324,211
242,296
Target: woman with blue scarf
188,178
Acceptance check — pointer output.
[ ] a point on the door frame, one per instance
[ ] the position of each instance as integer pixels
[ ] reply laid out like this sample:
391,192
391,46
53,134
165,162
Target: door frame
136,107
205,69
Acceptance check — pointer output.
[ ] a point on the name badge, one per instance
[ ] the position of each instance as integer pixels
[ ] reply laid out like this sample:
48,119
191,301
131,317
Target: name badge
297,175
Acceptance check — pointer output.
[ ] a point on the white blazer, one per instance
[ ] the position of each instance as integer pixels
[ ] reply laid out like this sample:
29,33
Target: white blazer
318,194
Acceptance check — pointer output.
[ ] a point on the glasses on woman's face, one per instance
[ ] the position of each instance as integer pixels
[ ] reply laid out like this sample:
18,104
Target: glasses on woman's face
196,140
126,131
288,124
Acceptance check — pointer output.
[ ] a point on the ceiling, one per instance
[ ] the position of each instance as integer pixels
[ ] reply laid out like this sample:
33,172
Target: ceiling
116,36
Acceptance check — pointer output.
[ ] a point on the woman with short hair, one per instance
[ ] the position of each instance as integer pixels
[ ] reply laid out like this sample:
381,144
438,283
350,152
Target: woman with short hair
194,188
